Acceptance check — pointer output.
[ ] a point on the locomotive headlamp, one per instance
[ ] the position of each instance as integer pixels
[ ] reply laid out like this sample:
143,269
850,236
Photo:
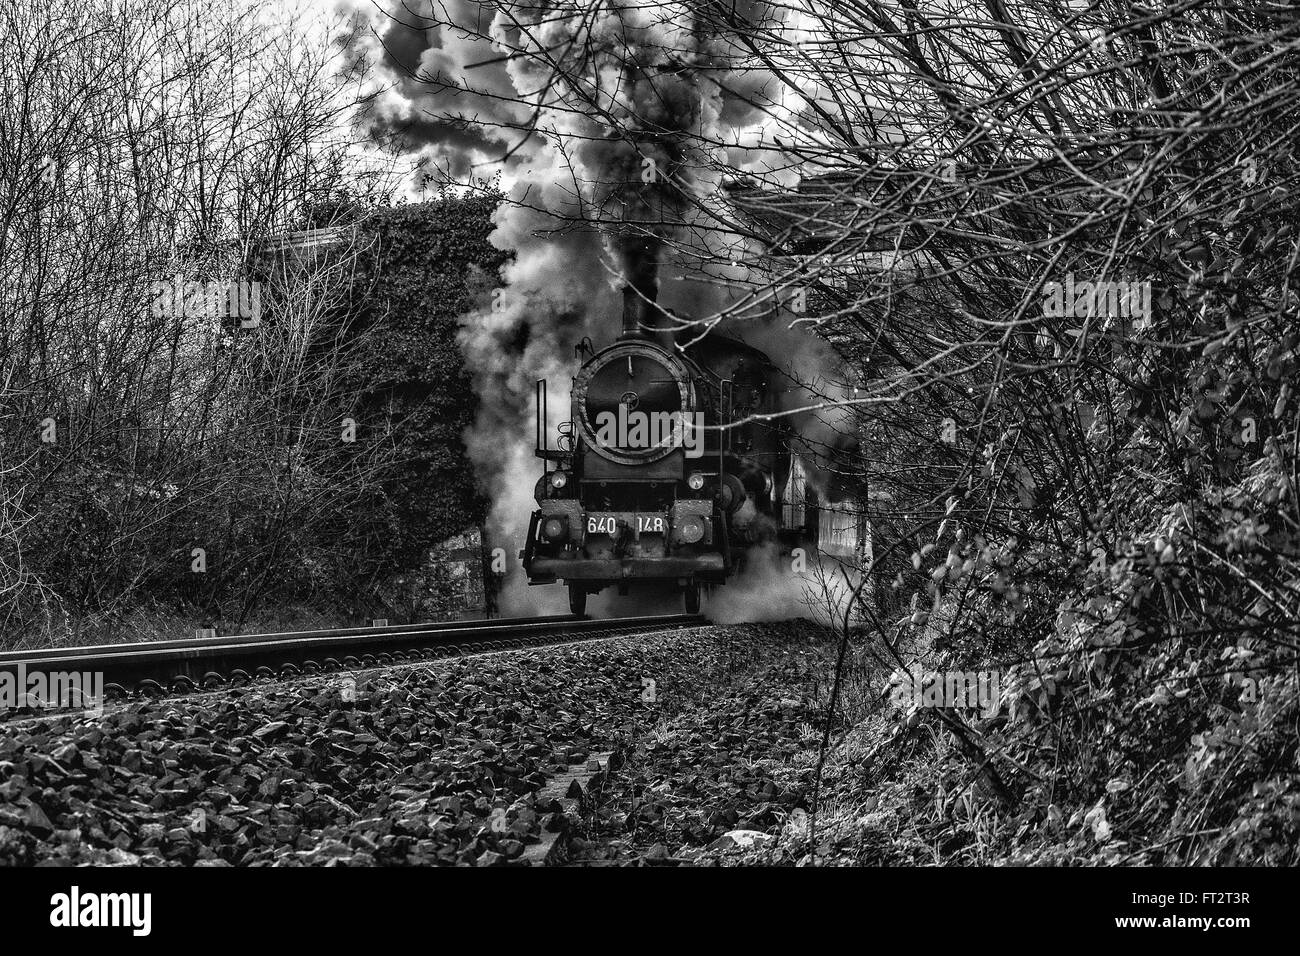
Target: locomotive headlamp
554,529
691,529
695,482
559,479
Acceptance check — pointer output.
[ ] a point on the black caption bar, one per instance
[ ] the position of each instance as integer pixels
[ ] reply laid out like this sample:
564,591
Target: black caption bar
144,907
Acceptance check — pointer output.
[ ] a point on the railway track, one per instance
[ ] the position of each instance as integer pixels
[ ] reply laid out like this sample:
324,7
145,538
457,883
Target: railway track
154,669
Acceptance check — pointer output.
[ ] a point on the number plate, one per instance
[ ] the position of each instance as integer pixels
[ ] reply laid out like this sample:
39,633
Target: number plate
641,523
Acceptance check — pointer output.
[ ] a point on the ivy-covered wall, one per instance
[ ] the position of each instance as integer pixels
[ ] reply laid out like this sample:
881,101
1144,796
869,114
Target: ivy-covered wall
423,266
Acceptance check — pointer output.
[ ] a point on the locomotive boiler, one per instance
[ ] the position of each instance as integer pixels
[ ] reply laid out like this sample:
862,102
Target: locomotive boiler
666,470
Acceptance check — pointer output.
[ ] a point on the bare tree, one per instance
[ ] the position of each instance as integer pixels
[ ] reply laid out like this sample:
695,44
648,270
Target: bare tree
163,389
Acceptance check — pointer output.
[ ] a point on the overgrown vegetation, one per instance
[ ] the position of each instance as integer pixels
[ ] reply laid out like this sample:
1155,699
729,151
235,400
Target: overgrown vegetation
1102,504
424,266
169,462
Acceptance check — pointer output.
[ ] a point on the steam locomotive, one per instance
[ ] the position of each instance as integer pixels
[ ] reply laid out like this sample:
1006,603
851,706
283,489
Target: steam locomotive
666,470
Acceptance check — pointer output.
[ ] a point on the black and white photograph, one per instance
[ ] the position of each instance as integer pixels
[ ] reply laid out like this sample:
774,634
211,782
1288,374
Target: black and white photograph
649,435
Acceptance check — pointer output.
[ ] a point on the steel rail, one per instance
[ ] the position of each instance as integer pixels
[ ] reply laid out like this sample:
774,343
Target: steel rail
153,668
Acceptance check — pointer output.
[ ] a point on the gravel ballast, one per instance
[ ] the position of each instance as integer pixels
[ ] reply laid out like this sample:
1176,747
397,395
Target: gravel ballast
432,764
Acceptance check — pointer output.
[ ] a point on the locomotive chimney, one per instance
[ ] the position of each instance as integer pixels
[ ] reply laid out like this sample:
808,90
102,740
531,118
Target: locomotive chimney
633,310
639,257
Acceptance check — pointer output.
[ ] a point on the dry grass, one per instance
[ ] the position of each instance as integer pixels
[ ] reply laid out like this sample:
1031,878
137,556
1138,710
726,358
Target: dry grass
155,623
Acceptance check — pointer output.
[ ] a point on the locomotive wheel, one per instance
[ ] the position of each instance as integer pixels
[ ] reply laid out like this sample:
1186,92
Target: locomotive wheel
577,599
692,596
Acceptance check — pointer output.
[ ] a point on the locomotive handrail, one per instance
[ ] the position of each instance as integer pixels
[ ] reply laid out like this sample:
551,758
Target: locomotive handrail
724,418
541,447
539,413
